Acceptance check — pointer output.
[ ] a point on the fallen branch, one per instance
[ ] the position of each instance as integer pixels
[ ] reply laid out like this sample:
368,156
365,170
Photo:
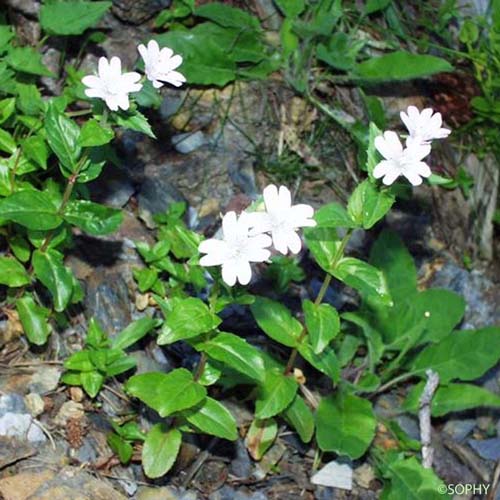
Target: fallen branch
424,417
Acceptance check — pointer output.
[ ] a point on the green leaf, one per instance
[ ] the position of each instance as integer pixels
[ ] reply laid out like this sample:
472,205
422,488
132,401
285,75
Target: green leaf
73,17
122,448
166,393
205,59
134,121
326,362
96,336
189,318
372,155
215,419
7,142
368,280
390,255
93,134
29,99
276,321
133,333
322,322
345,424
260,437
79,361
93,218
373,6
341,51
27,60
227,16
300,417
32,209
34,320
275,394
122,364
452,398
7,106
235,353
410,480
36,149
400,65
325,245
20,247
333,215
443,309
62,136
92,382
6,35
463,355
50,270
367,205
12,272
290,8
160,450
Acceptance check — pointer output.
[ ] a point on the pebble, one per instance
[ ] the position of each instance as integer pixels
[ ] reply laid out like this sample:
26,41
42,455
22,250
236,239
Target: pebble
334,475
34,403
187,142
45,379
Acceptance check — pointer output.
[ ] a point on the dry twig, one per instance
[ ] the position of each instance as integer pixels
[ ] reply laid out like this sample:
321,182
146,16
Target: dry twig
424,417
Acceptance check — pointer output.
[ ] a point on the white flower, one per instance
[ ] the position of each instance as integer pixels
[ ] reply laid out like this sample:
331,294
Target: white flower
282,219
398,161
236,250
159,65
111,85
423,127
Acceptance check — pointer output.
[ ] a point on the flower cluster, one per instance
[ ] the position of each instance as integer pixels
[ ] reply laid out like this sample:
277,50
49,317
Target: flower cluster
113,86
247,238
422,127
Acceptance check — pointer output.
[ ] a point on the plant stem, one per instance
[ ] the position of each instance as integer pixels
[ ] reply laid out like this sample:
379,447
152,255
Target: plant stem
201,367
395,381
319,298
104,117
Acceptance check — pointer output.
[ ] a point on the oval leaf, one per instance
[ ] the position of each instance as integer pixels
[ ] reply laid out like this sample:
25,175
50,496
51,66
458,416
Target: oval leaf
160,450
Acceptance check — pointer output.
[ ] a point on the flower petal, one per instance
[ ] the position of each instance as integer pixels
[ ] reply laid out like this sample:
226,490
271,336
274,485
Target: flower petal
115,66
383,168
229,272
244,272
294,242
174,78
92,81
285,198
389,145
391,176
413,177
229,224
103,67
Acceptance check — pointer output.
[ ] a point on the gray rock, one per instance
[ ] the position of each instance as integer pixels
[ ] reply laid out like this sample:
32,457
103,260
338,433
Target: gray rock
107,300
12,402
51,58
480,294
458,430
22,426
241,466
45,379
186,143
169,106
155,196
165,493
489,449
113,188
242,175
29,7
137,11
229,493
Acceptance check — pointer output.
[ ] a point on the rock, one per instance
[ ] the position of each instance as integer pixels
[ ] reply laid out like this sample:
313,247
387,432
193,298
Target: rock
12,402
29,7
34,403
241,466
164,493
489,449
69,410
156,194
22,486
71,483
364,475
188,142
51,59
22,426
480,294
137,11
114,188
229,493
45,379
458,430
334,475
170,105
13,450
107,300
